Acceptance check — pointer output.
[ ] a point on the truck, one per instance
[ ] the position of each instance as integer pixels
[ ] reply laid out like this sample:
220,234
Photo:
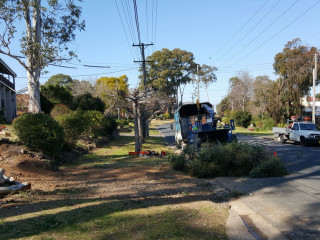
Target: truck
298,132
196,122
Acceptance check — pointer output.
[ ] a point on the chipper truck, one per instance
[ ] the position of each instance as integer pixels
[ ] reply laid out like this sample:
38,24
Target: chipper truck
196,122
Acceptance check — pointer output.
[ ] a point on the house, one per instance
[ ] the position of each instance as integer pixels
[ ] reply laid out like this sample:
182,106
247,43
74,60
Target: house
22,100
8,107
307,103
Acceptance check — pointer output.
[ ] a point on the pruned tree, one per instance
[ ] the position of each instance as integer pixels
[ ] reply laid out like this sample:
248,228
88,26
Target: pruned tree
207,76
49,27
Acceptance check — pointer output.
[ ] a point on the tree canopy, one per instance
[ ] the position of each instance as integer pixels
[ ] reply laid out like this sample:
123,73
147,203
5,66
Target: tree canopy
168,69
112,91
294,65
59,79
49,27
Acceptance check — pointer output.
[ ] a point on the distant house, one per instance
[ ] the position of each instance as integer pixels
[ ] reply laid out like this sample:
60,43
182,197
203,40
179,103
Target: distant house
8,109
307,102
22,100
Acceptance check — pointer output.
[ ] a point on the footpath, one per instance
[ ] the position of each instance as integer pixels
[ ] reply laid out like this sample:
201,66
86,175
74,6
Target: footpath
278,208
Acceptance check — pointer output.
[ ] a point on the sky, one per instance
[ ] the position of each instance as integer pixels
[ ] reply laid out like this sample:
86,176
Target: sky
232,35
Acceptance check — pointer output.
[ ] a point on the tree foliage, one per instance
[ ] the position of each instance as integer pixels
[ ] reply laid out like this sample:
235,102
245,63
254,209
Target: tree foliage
168,69
88,102
241,90
81,87
57,94
49,27
112,91
294,66
59,79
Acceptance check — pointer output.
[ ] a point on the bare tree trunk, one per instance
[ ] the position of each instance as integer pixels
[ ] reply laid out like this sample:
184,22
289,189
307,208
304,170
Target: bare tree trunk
140,124
33,32
136,126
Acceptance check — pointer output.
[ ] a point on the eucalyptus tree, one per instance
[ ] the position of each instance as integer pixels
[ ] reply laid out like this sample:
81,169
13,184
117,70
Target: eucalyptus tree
49,26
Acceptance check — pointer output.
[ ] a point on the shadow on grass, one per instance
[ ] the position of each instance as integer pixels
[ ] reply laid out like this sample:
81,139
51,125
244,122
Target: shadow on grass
73,215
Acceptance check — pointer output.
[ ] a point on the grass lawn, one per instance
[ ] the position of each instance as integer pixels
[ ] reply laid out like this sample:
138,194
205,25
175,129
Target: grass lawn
245,131
116,196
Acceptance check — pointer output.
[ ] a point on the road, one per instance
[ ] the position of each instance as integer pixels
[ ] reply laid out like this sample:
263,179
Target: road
290,204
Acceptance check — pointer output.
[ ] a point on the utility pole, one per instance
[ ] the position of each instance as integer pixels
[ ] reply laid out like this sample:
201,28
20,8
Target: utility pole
142,46
198,81
314,89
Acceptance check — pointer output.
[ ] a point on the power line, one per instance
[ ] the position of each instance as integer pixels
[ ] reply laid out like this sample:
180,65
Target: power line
242,26
137,19
277,32
93,74
155,27
124,29
250,30
256,37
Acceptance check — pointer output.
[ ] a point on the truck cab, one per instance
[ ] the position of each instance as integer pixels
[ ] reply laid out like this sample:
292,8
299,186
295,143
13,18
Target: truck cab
304,132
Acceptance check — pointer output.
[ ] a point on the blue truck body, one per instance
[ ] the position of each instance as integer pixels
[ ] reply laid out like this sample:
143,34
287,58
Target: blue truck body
194,121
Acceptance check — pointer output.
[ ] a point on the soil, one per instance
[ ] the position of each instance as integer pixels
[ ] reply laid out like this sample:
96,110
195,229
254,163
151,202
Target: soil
146,183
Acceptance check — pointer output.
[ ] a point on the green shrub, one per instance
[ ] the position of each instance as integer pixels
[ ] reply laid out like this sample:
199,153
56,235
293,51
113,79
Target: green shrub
228,115
177,161
122,122
40,132
57,94
243,118
200,169
166,116
273,167
99,125
59,110
88,102
234,159
74,124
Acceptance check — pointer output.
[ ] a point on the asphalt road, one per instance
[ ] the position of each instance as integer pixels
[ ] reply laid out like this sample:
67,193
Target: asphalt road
291,203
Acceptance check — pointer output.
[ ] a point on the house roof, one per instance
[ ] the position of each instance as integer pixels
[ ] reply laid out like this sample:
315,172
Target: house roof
4,68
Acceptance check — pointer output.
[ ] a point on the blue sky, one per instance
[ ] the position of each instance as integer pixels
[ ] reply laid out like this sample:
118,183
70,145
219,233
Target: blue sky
231,35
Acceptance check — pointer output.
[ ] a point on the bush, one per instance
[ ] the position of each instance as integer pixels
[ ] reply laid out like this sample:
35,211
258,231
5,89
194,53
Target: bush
228,115
87,102
73,124
177,161
39,132
59,110
243,118
99,125
200,169
273,167
122,122
57,94
166,116
234,159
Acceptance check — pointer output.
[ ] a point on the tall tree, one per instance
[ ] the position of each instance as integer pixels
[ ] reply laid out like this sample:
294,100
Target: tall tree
112,91
49,27
294,66
241,90
263,89
81,87
168,69
207,76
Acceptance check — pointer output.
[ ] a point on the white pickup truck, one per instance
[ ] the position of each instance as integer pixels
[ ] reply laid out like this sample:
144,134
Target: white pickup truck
303,132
